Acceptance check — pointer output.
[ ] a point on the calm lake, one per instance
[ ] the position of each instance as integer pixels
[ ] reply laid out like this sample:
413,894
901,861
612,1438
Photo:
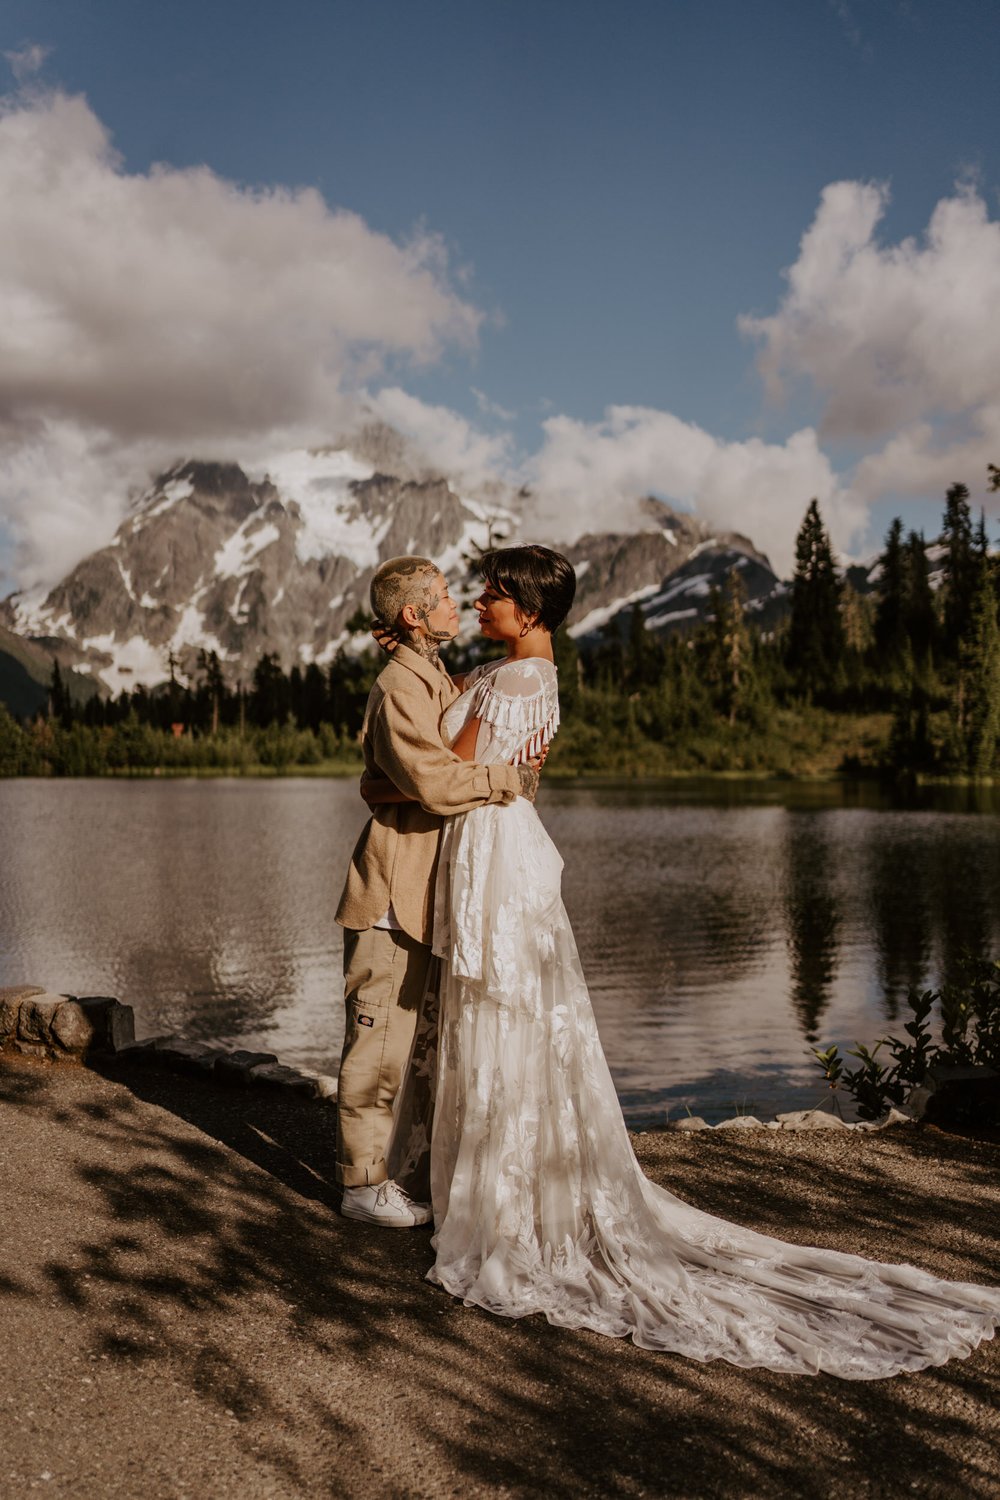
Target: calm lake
723,926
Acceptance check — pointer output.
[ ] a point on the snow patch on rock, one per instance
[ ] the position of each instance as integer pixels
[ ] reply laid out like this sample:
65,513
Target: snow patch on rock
235,557
135,663
654,621
165,497
331,521
598,617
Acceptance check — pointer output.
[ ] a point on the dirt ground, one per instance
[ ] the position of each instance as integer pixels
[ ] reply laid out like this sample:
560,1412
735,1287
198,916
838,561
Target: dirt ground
184,1314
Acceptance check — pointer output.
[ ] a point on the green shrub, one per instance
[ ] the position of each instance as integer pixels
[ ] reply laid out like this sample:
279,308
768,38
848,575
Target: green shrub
970,1034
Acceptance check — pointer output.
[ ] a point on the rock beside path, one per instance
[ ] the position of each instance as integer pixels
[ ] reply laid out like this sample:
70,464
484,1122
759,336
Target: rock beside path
796,1119
64,1028
965,1095
61,1028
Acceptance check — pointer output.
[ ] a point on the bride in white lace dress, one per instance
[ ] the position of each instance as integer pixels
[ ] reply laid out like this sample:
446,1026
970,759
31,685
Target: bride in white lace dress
539,1203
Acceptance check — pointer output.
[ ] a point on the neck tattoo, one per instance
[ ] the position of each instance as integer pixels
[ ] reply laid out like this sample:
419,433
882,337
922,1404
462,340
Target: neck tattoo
423,615
424,645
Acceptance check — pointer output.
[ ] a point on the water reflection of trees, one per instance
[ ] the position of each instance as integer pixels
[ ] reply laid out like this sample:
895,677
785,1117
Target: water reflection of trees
967,877
813,918
690,908
900,904
932,902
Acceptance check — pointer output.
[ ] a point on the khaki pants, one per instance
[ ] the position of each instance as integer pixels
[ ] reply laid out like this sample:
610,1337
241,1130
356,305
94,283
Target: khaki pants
385,975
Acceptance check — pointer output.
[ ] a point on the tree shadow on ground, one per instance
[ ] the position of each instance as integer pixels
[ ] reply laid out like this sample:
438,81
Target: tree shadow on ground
867,1195
352,1376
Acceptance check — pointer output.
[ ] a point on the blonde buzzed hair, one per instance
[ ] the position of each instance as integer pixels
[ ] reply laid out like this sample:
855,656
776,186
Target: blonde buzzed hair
398,582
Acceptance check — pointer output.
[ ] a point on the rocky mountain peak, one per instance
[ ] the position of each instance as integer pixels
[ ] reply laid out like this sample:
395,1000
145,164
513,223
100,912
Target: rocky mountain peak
616,571
216,557
385,450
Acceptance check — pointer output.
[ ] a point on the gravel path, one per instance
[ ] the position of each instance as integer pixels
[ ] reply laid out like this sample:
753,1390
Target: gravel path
185,1315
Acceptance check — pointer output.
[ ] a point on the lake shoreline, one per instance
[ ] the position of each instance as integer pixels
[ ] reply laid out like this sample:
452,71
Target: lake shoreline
553,775
338,771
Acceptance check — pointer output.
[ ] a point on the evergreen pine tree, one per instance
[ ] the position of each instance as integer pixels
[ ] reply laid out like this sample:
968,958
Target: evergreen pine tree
920,619
296,700
313,697
910,748
60,706
639,651
610,661
567,659
731,667
215,686
890,613
981,542
977,708
269,694
857,613
14,757
350,679
959,564
172,700
815,646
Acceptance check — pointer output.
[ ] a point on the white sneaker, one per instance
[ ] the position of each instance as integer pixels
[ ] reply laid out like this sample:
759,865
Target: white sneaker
385,1204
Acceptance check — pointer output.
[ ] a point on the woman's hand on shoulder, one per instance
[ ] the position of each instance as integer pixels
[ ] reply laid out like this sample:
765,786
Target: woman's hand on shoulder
385,637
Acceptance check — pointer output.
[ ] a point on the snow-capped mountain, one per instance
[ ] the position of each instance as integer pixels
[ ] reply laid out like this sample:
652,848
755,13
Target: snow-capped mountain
211,558
217,558
668,569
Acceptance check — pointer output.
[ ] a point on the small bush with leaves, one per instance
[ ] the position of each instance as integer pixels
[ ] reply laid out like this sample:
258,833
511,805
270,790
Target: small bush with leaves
970,1034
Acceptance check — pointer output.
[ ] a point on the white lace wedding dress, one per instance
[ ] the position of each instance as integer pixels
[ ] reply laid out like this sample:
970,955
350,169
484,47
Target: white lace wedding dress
539,1203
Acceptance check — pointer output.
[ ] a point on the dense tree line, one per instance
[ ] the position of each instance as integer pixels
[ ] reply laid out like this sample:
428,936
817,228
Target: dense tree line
728,694
940,653
922,662
307,698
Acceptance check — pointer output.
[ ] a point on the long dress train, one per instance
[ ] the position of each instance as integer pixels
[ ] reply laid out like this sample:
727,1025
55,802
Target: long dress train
539,1203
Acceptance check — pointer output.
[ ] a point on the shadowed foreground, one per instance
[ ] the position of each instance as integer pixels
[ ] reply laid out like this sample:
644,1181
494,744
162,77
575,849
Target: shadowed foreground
185,1314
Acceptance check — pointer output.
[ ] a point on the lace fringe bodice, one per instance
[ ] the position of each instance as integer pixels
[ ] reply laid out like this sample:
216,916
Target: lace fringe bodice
517,705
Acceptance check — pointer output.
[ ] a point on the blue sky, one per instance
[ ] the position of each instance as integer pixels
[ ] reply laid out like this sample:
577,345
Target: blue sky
614,186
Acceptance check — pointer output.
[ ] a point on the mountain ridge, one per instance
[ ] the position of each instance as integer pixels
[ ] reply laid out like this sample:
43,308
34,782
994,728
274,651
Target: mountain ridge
277,557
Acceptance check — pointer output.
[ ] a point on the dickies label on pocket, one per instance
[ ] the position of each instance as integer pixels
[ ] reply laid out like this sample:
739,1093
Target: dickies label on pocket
366,1020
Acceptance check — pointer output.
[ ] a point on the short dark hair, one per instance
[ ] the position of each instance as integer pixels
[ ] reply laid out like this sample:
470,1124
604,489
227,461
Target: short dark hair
541,582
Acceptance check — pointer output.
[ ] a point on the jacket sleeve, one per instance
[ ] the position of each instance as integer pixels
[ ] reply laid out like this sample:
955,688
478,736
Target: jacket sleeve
408,748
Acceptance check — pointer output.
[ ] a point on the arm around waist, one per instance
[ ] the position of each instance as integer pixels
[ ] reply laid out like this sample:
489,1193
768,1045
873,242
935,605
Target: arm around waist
409,749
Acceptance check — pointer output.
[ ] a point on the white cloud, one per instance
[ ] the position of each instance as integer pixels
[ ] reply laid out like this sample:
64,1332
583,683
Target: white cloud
26,61
449,443
490,408
888,335
925,458
588,476
154,314
901,343
63,489
149,317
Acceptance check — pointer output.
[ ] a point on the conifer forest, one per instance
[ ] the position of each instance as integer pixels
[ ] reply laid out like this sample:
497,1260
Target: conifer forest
893,672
